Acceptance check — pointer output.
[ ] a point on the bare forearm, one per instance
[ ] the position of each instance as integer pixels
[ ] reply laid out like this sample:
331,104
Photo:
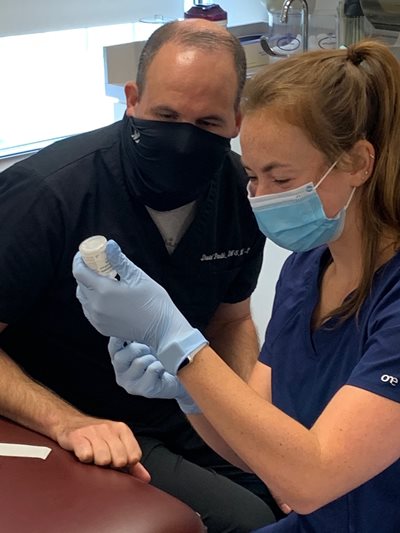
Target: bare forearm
237,344
28,403
278,449
103,442
216,442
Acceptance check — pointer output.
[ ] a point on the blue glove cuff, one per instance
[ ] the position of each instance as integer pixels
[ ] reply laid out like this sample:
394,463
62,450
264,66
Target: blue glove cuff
176,352
188,406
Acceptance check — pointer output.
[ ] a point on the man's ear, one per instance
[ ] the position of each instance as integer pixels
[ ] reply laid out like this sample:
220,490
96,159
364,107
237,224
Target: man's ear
132,97
238,122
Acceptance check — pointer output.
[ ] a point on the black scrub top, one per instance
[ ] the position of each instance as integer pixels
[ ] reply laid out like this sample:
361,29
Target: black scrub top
77,188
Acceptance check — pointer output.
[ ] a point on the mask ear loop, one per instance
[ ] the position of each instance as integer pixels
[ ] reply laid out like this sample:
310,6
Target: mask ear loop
326,173
350,199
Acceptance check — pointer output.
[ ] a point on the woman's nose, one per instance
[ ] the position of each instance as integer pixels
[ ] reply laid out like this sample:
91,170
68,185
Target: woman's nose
261,189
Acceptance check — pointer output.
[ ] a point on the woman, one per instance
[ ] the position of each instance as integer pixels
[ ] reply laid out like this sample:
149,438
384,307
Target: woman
319,420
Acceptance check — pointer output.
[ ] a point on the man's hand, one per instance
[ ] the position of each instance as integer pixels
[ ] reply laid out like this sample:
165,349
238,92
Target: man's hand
104,443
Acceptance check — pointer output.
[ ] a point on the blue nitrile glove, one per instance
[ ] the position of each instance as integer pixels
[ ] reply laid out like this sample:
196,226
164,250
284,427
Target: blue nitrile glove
139,372
136,308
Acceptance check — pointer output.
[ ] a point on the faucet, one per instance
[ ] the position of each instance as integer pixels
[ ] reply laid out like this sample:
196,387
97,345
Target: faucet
284,18
304,27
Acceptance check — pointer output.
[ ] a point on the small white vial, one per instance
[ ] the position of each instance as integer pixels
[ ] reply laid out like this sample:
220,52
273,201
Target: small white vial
93,251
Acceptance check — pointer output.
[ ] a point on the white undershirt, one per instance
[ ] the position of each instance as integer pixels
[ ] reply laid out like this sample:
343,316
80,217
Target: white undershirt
173,224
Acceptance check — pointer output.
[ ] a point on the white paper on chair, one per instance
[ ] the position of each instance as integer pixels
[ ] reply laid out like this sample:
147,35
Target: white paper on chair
24,450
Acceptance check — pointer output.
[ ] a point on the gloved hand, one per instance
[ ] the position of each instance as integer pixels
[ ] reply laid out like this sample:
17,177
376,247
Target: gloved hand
139,372
136,308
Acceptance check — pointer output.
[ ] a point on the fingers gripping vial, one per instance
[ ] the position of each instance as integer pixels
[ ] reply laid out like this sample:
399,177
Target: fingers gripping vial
136,308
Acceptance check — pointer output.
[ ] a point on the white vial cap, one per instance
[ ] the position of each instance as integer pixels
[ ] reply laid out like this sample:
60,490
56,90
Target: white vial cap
93,251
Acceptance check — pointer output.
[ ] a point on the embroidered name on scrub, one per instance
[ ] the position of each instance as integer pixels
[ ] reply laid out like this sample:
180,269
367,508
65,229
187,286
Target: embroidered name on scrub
225,255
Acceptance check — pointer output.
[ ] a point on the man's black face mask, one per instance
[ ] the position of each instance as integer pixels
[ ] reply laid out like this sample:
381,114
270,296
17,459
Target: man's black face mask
174,162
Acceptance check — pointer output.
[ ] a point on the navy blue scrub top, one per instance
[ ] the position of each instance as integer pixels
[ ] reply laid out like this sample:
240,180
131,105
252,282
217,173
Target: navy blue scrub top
308,367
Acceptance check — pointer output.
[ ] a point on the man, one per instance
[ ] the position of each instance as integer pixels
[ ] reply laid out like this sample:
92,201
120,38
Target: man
163,184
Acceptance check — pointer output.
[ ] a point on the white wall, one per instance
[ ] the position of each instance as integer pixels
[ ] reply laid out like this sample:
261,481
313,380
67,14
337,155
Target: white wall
29,16
263,297
326,4
8,161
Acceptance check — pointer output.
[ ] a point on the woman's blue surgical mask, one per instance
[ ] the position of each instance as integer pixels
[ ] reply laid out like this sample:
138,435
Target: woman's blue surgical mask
296,219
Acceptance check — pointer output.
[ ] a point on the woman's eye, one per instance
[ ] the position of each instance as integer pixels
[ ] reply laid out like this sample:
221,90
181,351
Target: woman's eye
281,181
